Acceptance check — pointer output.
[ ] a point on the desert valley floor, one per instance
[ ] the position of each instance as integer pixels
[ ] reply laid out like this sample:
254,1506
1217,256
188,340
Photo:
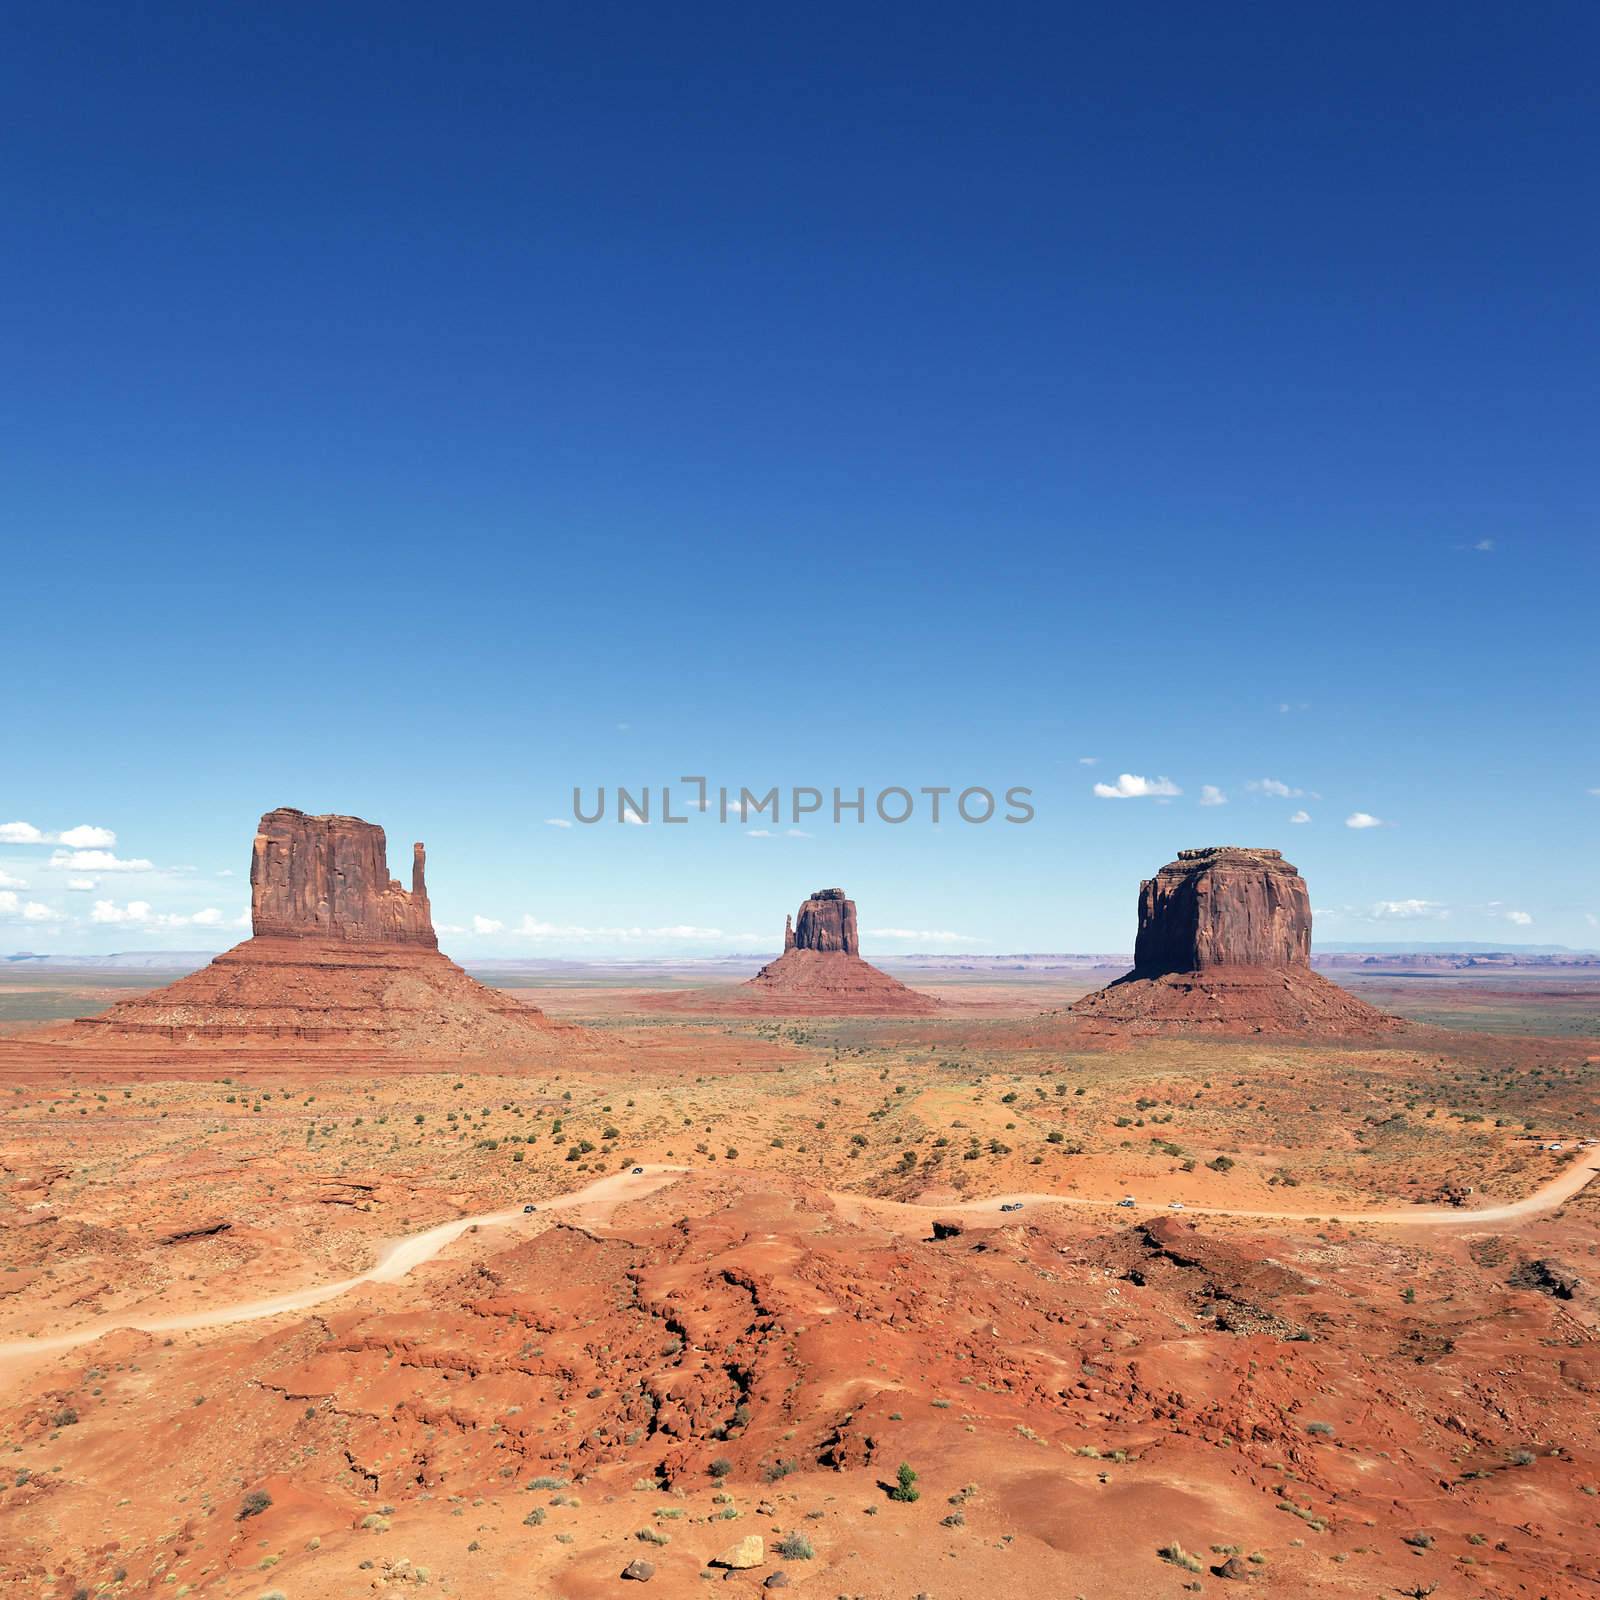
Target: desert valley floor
1324,1375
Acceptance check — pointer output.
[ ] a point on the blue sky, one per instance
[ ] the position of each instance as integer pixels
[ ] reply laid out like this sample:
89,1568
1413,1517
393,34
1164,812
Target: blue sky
417,413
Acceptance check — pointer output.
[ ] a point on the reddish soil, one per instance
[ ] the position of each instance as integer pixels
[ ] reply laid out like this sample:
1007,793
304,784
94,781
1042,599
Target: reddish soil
1339,1408
1232,1000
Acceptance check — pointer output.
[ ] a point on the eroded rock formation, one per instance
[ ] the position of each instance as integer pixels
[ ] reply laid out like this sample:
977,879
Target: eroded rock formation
342,957
1223,907
827,923
1224,946
328,878
820,973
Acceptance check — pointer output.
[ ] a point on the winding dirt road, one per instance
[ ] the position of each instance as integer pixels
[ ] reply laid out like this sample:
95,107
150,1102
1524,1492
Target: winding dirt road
596,1201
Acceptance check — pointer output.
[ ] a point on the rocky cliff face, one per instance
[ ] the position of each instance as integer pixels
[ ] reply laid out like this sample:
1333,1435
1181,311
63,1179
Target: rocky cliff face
1224,946
827,923
1223,906
328,878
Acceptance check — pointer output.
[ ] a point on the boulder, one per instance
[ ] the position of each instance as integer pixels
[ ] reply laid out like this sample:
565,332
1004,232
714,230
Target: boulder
750,1551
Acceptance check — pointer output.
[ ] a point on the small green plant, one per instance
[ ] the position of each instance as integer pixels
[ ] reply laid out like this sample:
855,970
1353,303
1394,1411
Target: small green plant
905,1486
1321,1429
720,1468
795,1547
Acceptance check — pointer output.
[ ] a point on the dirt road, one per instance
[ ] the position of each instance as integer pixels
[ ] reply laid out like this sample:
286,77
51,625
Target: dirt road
597,1200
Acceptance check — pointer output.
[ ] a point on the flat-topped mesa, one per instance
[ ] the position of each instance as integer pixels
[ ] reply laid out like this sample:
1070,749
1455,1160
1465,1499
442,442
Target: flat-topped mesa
328,878
1224,946
1223,906
827,922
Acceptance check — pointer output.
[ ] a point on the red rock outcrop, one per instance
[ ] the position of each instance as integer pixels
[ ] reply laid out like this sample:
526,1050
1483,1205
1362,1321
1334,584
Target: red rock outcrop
342,957
820,973
827,922
328,878
1224,946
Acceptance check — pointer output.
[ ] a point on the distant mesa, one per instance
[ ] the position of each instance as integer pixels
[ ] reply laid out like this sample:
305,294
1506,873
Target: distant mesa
342,956
820,973
1224,946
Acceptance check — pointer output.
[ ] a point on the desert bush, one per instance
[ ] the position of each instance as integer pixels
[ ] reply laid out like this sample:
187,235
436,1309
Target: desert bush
1175,1555
905,1486
253,1504
795,1547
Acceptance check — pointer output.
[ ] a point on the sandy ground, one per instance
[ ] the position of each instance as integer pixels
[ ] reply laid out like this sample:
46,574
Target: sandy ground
279,1324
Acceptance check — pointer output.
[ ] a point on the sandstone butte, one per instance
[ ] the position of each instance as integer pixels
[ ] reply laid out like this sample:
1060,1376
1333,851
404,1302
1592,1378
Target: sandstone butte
819,974
341,957
1224,946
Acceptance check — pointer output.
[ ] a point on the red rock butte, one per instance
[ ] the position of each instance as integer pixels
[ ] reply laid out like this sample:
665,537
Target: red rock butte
1224,946
820,973
342,957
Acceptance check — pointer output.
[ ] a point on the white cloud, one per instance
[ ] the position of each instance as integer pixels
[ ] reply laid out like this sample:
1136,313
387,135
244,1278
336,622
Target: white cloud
33,911
20,833
630,815
139,913
1363,819
227,872
759,833
796,833
1484,544
1591,919
85,837
110,911
8,882
1211,795
487,925
1088,761
1275,787
9,904
1408,910
83,885
1301,816
98,861
1129,786
921,935
556,822
1520,918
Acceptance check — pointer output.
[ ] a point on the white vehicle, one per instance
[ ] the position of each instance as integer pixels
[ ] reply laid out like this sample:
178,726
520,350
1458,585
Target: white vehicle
1174,1205
1127,1200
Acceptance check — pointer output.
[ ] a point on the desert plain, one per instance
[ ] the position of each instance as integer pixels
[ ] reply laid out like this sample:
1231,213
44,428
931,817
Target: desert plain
1347,1366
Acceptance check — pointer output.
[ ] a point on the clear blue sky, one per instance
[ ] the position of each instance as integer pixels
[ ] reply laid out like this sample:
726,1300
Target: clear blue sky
415,411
